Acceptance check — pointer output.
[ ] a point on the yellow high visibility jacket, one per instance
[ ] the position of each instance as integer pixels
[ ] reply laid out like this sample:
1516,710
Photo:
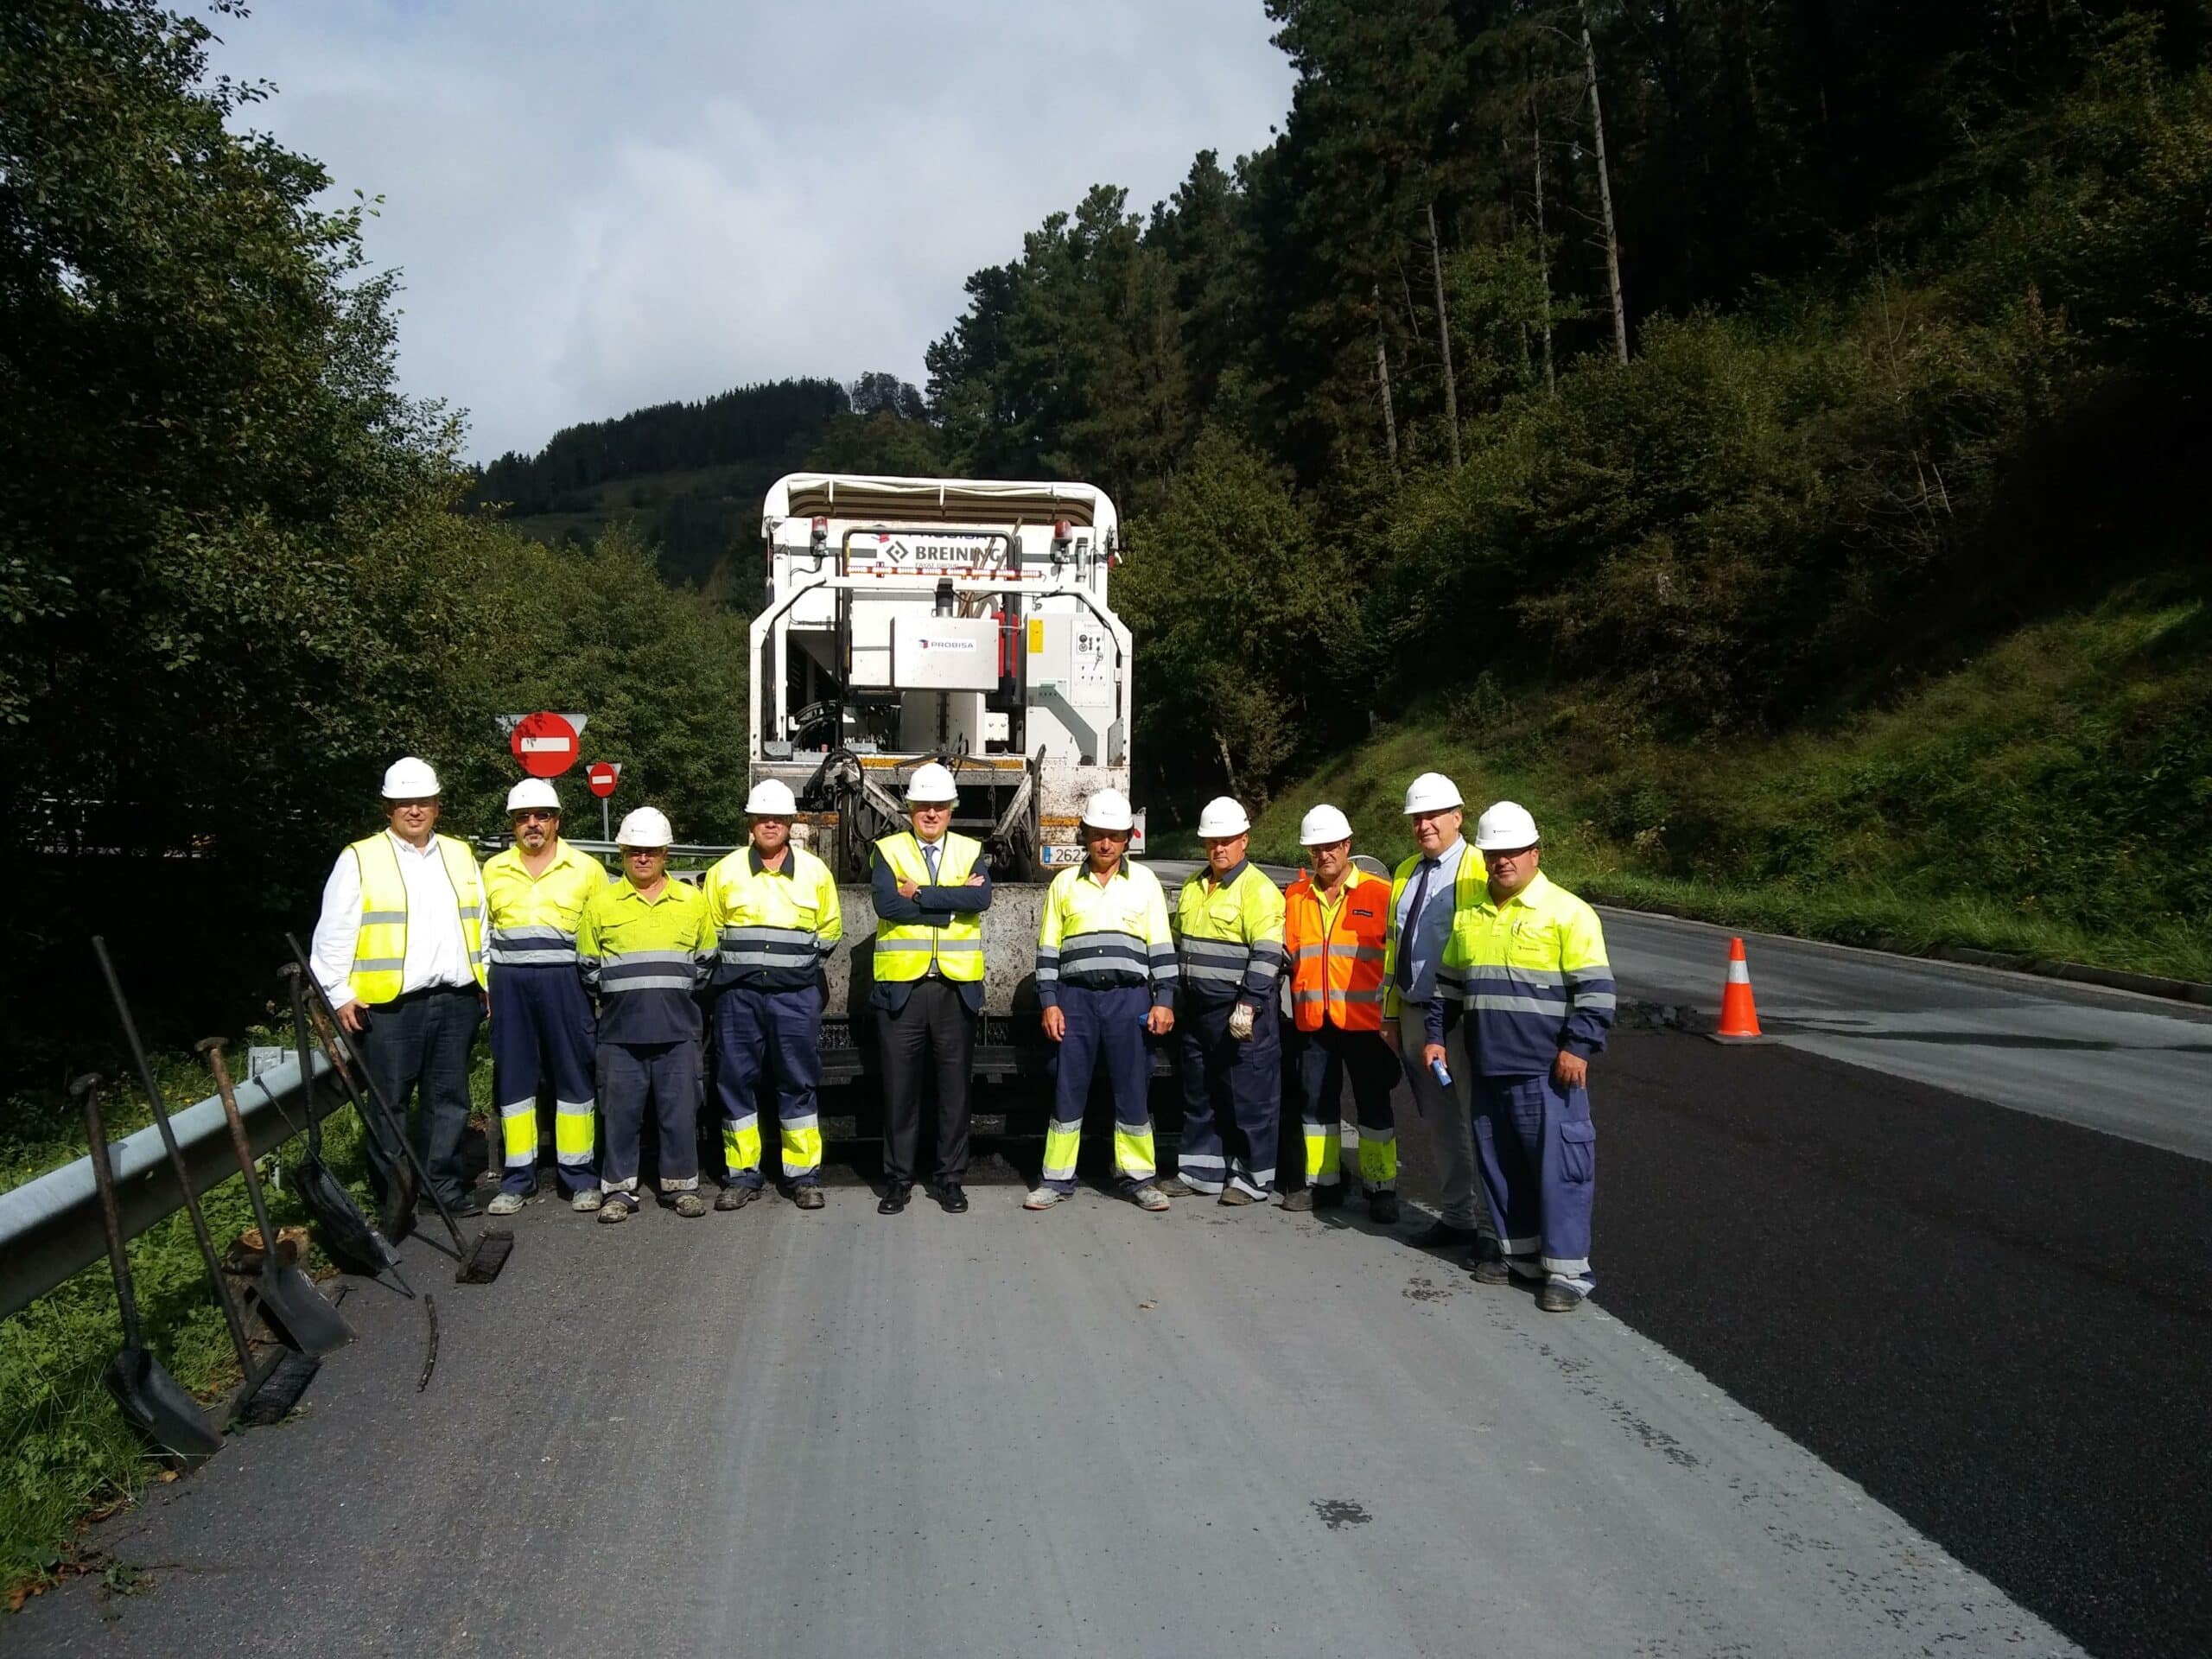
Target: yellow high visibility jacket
533,919
903,951
1228,937
775,928
1468,890
644,958
1096,937
380,947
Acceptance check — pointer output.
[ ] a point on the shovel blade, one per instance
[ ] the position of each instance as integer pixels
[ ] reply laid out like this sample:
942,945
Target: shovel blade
155,1404
309,1323
492,1250
348,1234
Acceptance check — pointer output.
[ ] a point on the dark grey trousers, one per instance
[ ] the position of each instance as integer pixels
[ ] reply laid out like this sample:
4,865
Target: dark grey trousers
934,1034
420,1044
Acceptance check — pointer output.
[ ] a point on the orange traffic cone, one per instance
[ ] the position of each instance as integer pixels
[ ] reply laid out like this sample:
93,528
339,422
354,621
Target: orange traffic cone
1739,1015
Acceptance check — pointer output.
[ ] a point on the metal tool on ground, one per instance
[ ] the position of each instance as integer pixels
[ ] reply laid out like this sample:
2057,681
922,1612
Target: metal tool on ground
479,1263
347,1232
288,1297
264,1397
151,1400
1739,1015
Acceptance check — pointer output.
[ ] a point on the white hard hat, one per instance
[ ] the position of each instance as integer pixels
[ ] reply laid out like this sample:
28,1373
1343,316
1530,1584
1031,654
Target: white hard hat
1223,817
409,780
1323,826
534,792
931,786
771,798
1108,810
646,827
1504,826
1432,792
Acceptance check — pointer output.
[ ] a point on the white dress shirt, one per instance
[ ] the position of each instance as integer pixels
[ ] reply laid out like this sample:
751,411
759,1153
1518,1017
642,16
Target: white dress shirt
437,954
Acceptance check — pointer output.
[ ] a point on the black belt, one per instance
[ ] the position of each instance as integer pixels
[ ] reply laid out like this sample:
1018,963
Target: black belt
421,991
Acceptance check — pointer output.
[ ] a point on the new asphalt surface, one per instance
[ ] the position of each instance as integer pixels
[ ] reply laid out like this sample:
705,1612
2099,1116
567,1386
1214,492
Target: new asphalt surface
1873,1368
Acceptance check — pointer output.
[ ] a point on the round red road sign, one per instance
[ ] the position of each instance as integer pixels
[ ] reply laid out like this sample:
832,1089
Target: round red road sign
602,778
545,744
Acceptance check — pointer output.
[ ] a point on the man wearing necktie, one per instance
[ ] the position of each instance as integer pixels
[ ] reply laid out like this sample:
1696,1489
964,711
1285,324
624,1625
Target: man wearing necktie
1427,891
930,892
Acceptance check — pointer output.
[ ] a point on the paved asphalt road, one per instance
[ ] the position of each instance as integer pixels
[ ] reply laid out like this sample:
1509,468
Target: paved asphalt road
1874,1369
2132,1066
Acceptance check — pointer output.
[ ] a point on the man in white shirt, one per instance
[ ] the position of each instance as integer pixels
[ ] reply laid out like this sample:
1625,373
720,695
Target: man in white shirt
399,952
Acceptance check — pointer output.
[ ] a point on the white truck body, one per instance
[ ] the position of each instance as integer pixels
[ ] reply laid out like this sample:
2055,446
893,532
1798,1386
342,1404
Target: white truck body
965,621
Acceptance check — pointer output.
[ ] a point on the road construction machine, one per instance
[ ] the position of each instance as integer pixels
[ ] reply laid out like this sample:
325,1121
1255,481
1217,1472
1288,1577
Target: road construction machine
963,622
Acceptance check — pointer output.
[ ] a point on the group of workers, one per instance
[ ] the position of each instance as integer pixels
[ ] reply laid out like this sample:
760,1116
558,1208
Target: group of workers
1477,978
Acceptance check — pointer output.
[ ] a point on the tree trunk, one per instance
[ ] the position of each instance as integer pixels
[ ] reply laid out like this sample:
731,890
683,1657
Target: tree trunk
1604,192
1383,380
1228,766
1443,336
1543,246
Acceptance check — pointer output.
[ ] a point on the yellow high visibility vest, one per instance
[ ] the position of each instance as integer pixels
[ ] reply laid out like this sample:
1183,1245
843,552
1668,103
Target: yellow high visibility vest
380,948
905,950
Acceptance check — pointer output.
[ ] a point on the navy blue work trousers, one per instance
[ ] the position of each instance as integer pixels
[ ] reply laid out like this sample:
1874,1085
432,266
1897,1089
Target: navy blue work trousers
1537,1153
663,1078
1232,1099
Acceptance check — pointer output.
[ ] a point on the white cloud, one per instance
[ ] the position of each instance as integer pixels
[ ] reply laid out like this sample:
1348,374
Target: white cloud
598,207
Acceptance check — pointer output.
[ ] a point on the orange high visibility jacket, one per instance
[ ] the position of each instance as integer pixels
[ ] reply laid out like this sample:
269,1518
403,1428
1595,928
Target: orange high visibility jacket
1336,960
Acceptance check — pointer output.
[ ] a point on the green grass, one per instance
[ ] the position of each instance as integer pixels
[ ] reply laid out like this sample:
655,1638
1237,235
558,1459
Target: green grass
2046,799
65,1451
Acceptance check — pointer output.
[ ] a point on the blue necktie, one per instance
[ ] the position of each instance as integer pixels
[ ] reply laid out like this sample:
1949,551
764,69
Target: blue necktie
1412,928
929,852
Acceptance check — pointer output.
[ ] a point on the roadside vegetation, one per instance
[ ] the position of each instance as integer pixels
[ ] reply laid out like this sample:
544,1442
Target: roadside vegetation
2047,800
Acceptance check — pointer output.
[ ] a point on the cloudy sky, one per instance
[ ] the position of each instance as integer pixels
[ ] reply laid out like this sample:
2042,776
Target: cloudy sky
602,205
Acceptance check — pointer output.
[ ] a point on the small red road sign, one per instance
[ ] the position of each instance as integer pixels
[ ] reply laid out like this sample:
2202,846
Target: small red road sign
545,743
602,778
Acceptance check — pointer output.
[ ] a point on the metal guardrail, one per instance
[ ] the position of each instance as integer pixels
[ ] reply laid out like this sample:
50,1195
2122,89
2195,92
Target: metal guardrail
50,1225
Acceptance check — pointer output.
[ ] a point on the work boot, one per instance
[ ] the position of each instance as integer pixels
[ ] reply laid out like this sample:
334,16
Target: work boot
1043,1198
1382,1209
736,1198
1493,1272
1301,1200
1234,1195
1149,1197
504,1204
1329,1195
1557,1298
807,1198
689,1205
1177,1189
617,1207
587,1201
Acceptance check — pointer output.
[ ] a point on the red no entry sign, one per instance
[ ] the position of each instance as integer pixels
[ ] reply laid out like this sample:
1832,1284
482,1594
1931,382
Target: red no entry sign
602,778
545,743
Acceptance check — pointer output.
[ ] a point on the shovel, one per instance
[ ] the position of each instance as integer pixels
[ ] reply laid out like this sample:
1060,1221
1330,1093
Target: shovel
264,1397
346,1231
151,1400
479,1264
312,1325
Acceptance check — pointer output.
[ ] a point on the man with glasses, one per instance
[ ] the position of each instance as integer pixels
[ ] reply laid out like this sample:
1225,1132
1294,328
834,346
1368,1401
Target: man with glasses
1421,989
1539,999
645,946
399,952
534,893
930,892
